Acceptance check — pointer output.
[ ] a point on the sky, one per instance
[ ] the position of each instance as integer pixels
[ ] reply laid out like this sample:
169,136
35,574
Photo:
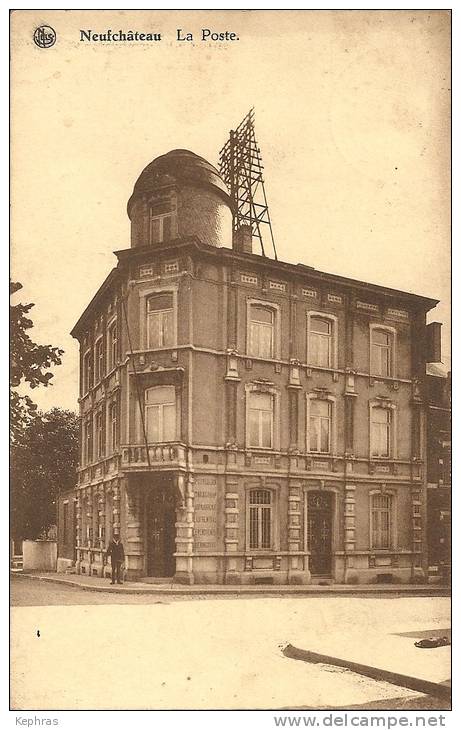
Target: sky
352,117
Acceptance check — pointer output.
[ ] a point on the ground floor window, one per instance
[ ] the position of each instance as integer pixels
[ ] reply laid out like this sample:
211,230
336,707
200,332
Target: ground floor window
260,519
381,521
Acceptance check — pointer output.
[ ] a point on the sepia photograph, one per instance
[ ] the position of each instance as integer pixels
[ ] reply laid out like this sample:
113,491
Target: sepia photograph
230,362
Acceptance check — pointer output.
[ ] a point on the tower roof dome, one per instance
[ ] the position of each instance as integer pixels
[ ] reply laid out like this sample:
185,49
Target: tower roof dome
179,166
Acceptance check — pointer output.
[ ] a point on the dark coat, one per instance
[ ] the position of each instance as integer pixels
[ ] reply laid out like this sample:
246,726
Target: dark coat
116,552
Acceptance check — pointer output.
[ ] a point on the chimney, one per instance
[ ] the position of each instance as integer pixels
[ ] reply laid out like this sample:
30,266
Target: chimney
242,239
434,342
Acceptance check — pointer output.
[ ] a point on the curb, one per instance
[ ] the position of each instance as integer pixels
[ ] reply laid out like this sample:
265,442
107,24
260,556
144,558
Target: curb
442,691
417,591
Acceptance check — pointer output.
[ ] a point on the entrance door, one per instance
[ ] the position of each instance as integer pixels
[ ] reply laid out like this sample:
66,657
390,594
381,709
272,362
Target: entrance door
161,518
319,532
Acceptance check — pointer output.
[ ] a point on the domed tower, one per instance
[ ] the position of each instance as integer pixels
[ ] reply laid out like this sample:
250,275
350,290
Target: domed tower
180,194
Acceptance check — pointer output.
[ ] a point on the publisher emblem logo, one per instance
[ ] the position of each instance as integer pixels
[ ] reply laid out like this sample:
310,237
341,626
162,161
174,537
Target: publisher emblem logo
44,36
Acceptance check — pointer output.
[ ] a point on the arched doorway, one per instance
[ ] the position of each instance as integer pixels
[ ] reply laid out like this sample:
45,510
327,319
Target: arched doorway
319,522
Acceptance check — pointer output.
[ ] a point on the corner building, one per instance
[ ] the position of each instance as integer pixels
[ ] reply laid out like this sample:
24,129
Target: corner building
245,420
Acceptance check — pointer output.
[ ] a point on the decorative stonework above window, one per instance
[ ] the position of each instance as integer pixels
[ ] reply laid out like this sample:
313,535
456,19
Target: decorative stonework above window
309,293
247,279
146,271
278,285
367,306
400,313
335,299
171,266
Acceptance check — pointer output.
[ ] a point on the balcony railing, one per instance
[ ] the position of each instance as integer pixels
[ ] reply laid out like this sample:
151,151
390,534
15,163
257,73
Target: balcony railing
160,455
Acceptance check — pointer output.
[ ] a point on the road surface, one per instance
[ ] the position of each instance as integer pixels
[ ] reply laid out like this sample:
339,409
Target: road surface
74,649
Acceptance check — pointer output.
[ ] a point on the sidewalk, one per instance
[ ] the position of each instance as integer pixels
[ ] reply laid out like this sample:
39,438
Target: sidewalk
88,583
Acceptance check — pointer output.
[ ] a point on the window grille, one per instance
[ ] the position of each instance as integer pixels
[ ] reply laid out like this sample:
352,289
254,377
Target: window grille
260,523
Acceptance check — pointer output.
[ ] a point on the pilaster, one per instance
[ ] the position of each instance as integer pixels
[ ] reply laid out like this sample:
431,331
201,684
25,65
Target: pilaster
231,530
295,562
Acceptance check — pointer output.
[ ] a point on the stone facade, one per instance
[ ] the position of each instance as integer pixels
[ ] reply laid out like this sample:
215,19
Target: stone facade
245,420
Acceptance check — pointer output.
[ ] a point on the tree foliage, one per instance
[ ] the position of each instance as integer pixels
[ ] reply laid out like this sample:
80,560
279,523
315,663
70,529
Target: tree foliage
43,465
29,363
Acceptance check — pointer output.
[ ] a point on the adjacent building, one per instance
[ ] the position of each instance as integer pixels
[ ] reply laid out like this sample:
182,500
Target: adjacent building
245,420
438,469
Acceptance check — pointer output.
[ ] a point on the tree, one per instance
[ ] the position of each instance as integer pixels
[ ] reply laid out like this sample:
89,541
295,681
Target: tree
29,363
43,465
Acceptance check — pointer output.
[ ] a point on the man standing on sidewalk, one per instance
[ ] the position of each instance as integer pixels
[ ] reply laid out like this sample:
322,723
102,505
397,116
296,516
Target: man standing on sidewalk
117,556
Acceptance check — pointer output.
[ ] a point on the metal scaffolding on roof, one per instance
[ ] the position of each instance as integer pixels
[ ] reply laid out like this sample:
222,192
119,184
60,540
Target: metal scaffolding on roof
240,165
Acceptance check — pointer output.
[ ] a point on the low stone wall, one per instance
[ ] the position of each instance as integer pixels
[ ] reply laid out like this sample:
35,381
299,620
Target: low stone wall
39,555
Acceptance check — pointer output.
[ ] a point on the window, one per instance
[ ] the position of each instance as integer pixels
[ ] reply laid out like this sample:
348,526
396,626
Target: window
87,372
381,352
160,414
113,426
260,519
162,219
99,360
160,329
381,422
100,433
381,518
320,425
112,345
260,420
88,441
65,522
320,341
261,334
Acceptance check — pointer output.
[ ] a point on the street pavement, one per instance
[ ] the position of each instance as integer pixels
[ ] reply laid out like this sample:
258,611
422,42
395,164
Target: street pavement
74,649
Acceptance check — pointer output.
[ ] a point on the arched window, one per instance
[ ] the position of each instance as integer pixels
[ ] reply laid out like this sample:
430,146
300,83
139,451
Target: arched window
382,352
99,360
381,431
112,345
261,334
321,340
160,414
113,419
88,440
100,433
87,372
160,325
260,519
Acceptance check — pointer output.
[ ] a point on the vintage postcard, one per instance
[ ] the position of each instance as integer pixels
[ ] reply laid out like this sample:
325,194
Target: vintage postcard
230,363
